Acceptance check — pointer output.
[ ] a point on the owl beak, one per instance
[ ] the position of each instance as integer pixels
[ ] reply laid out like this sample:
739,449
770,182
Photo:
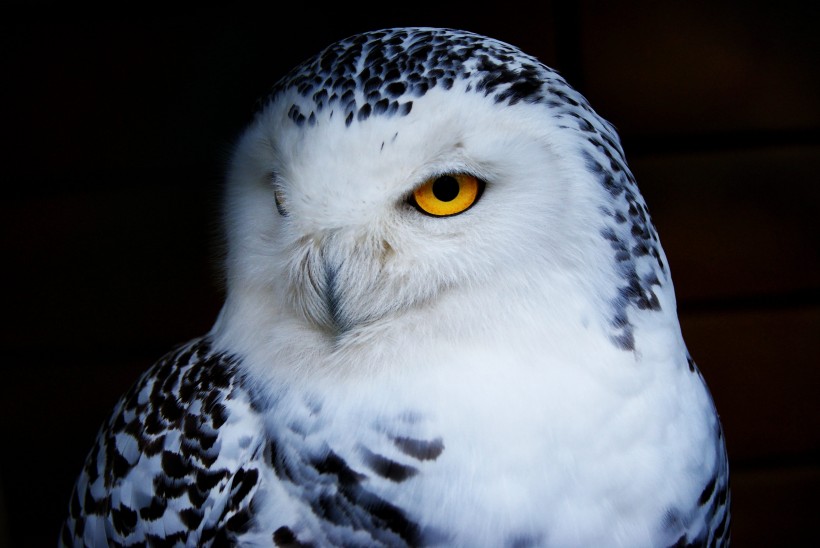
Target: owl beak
335,285
326,301
336,318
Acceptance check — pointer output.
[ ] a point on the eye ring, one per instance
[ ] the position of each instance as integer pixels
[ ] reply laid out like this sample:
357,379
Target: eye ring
447,195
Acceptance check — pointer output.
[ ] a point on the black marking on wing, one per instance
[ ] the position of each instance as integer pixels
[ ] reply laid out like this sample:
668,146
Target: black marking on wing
338,496
285,538
420,449
712,509
180,398
387,468
691,363
627,228
124,520
707,491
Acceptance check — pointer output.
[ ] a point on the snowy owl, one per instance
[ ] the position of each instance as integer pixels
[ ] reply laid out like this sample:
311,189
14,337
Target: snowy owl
448,321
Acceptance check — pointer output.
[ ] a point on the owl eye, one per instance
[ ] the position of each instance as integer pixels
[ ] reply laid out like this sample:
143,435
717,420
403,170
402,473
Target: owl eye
447,195
279,198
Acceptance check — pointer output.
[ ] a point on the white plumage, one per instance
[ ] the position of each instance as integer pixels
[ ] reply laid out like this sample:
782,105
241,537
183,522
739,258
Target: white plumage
449,321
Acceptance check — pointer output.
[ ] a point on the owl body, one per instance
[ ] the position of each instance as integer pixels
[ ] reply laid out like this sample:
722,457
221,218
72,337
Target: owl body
449,321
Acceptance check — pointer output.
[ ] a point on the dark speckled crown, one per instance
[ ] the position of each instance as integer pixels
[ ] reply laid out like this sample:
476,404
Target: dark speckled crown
380,73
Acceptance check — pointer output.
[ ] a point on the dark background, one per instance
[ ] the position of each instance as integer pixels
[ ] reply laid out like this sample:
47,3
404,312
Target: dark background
116,130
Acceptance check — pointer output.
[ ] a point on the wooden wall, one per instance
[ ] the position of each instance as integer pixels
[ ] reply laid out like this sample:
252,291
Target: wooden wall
115,135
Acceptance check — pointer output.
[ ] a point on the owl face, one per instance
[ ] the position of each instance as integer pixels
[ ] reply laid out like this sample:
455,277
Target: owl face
426,170
362,222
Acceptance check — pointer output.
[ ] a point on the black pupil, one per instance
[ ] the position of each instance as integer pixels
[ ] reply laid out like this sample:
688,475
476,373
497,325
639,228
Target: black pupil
445,188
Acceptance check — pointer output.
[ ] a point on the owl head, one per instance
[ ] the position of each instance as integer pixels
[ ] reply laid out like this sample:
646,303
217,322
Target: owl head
439,181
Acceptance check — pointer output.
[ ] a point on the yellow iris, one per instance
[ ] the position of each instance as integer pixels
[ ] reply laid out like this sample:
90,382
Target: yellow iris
448,194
